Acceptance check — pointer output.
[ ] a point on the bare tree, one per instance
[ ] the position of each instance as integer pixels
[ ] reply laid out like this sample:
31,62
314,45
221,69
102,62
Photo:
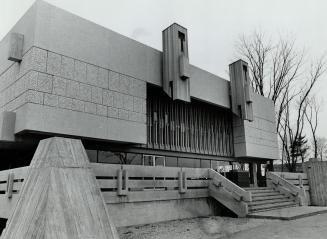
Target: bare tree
321,147
279,71
311,114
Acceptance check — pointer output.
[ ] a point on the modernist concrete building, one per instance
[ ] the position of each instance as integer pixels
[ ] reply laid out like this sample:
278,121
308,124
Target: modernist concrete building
61,75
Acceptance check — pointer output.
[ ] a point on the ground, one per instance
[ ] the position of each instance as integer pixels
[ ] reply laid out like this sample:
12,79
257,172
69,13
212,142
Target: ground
314,227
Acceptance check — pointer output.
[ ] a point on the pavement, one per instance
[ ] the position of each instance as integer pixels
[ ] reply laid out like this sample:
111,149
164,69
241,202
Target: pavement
312,227
289,213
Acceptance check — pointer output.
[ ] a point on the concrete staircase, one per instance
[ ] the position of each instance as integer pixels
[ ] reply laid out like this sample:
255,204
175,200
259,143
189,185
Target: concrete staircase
266,198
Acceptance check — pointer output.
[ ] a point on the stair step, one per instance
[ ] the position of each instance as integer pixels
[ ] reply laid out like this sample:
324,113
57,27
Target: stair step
265,194
256,188
262,191
271,206
270,201
269,209
262,198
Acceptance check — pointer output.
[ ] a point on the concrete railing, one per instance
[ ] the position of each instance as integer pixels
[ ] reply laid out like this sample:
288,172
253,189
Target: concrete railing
275,180
11,182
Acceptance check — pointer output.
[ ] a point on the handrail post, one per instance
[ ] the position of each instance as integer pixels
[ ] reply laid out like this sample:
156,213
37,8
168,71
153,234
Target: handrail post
10,184
182,181
122,181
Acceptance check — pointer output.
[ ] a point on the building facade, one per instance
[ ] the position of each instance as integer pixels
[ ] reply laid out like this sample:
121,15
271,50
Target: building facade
129,103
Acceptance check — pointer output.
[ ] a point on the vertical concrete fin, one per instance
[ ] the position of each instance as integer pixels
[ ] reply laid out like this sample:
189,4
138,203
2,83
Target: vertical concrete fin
60,197
241,90
176,69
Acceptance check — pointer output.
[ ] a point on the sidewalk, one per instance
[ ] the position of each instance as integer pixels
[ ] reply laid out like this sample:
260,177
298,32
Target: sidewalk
314,227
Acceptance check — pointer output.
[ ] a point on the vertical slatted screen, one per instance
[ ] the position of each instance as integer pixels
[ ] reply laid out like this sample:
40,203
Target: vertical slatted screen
194,127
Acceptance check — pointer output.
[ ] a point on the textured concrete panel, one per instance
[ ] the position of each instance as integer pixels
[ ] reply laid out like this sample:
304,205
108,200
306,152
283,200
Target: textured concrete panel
78,105
65,103
80,71
108,97
54,120
51,100
67,67
59,86
85,92
72,89
44,83
90,108
54,64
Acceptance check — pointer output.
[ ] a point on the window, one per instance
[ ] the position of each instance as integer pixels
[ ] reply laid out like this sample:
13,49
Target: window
92,155
181,37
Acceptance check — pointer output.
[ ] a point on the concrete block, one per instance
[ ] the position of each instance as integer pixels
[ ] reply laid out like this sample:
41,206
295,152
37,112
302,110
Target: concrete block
103,78
123,114
44,82
96,95
78,105
138,104
134,116
128,102
90,108
80,71
114,81
72,89
102,110
16,47
67,67
59,86
65,103
7,126
91,74
125,84
19,87
138,88
51,100
34,97
118,100
85,92
34,59
112,112
54,64
31,79
108,97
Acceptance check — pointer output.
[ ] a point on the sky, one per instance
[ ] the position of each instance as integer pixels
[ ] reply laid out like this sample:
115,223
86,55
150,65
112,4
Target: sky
214,26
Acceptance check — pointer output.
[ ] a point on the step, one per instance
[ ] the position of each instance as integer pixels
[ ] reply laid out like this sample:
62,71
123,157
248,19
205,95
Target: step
262,198
271,209
270,201
255,192
271,206
256,188
265,194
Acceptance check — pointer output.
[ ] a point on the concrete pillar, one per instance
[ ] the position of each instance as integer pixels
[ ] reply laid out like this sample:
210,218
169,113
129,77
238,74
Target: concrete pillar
253,174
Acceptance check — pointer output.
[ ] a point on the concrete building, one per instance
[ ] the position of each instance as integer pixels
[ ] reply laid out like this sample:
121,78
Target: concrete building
61,75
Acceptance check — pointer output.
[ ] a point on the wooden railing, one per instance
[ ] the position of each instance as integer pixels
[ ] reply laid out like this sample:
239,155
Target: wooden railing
11,182
289,184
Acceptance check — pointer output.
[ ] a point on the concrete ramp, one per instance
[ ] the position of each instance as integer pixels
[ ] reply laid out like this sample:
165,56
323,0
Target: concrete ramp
60,197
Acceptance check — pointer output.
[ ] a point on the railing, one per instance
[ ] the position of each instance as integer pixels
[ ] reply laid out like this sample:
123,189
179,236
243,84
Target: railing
133,183
229,194
289,184
11,182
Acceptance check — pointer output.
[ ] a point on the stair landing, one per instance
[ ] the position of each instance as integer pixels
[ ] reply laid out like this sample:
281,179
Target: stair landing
289,213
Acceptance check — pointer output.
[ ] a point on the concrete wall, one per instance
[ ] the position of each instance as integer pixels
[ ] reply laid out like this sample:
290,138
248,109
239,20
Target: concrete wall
128,214
257,138
53,93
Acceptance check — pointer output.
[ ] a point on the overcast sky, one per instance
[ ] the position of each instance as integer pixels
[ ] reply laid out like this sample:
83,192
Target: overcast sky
213,25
